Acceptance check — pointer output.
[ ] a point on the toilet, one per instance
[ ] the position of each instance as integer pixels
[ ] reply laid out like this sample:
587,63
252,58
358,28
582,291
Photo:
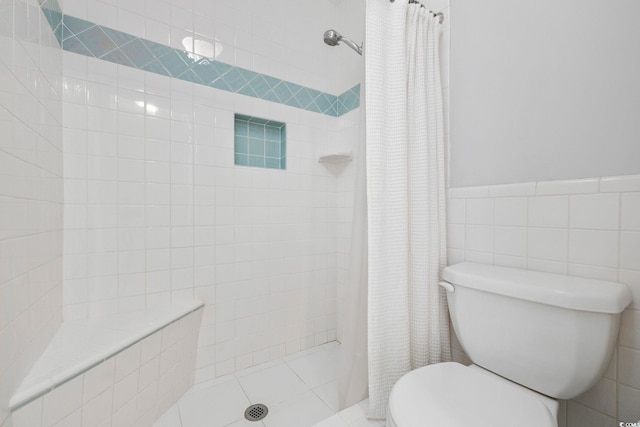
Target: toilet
533,338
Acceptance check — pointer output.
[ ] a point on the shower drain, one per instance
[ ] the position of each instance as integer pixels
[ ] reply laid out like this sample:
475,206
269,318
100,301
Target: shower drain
256,412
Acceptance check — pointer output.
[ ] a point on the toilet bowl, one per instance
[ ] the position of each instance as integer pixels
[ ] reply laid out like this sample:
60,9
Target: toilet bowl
528,335
451,394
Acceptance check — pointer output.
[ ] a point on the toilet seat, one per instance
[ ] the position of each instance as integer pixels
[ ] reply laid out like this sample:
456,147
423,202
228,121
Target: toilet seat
454,395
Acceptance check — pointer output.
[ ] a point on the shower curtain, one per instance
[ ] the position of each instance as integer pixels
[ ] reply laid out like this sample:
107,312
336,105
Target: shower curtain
408,323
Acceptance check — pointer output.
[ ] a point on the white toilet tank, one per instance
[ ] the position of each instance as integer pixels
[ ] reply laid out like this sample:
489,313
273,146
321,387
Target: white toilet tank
552,333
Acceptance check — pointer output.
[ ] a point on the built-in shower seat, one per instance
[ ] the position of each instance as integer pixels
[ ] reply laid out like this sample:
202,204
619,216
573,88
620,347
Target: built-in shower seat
144,360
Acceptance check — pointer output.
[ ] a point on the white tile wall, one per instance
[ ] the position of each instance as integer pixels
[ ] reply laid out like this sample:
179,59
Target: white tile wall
585,228
30,190
162,214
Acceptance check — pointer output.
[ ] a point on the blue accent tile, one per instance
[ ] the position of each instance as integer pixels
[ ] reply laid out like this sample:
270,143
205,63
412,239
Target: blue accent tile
234,79
283,163
190,76
58,33
293,102
349,100
271,81
54,18
243,118
206,71
188,58
137,52
241,159
156,49
271,96
323,102
248,90
66,32
50,5
241,145
260,121
332,109
282,92
72,44
96,41
256,130
76,25
118,57
220,68
155,67
294,88
257,161
272,149
304,97
256,146
173,63
260,86
272,133
221,84
271,163
117,37
241,127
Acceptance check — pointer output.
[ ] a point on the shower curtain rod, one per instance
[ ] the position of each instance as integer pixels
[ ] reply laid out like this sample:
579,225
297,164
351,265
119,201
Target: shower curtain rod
440,15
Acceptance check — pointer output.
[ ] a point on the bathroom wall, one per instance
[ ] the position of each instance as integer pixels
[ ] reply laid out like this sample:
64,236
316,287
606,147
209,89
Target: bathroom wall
587,228
30,189
544,90
155,209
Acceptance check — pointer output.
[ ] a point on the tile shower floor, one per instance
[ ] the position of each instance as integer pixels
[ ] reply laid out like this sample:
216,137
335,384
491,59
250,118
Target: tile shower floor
300,390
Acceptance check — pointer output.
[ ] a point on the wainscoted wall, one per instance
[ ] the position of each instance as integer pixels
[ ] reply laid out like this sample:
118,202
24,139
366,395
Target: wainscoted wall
587,228
30,189
156,211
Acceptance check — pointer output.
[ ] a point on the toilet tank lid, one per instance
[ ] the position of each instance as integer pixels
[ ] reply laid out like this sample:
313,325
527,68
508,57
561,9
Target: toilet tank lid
576,293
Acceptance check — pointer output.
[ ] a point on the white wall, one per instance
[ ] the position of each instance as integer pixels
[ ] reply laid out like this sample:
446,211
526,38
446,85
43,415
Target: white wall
544,90
30,190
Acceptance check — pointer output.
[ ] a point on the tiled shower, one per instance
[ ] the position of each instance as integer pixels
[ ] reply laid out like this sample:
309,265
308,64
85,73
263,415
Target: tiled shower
126,168
155,207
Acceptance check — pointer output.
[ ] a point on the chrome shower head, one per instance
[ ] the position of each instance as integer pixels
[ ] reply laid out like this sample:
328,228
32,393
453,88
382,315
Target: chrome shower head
333,38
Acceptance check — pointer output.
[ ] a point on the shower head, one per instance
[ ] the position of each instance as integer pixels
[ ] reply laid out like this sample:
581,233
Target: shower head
333,38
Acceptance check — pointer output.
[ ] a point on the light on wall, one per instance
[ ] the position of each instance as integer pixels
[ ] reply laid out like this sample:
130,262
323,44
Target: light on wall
201,48
151,109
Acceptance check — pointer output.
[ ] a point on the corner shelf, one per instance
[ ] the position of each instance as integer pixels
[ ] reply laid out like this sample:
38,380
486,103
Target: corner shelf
336,158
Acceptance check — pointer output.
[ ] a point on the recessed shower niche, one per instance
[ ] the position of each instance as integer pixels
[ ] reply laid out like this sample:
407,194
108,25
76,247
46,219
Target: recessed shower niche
260,142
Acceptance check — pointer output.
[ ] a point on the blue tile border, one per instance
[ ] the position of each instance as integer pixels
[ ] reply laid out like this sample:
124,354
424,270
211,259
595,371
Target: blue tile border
89,39
53,13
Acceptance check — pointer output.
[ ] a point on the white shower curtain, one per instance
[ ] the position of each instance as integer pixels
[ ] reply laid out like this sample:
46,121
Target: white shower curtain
407,313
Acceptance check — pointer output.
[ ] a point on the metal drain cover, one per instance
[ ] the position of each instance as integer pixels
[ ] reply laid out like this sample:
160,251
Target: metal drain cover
256,412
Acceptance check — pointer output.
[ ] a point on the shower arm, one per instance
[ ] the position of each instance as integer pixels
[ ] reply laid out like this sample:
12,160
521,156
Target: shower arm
351,44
